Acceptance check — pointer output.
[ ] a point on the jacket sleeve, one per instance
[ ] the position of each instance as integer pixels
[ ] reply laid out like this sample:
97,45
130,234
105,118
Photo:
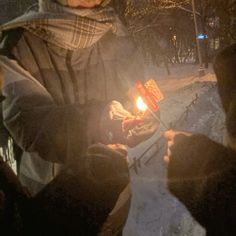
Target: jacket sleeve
202,175
39,125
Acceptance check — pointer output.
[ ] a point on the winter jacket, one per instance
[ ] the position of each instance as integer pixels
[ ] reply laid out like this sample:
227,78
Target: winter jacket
202,175
54,97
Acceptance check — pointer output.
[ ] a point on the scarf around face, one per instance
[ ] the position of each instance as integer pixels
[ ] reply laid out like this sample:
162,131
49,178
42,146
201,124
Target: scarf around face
69,28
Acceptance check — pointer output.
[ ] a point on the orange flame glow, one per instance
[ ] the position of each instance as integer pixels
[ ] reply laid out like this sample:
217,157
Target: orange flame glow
141,104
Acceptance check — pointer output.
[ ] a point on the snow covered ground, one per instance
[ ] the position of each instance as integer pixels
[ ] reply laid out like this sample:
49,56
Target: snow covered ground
191,104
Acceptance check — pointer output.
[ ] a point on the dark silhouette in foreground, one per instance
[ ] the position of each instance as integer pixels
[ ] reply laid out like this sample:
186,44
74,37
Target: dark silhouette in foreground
201,172
79,201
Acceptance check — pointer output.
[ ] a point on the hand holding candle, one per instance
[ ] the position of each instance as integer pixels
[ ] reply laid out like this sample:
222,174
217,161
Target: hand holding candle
120,126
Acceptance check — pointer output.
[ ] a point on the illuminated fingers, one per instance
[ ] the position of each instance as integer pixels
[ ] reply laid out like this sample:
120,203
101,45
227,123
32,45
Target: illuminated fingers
130,122
170,135
166,159
167,156
169,144
119,147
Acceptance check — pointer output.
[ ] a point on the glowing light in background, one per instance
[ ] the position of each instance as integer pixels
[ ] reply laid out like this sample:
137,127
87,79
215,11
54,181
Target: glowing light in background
202,36
141,105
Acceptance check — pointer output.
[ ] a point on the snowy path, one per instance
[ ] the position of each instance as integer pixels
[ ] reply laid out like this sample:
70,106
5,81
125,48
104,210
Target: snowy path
154,211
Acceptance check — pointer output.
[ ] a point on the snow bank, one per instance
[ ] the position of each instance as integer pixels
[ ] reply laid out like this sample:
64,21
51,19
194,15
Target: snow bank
154,211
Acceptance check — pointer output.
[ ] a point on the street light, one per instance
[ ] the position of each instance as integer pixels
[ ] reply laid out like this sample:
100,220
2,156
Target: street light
201,69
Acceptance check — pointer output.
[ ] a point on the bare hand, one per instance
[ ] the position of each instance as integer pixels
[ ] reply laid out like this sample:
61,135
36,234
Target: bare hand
170,136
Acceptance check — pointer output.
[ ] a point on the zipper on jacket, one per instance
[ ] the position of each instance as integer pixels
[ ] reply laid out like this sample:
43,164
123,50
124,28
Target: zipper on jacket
72,75
76,92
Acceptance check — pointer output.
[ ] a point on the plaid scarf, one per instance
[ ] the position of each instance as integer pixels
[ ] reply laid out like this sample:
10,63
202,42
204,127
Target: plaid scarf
69,28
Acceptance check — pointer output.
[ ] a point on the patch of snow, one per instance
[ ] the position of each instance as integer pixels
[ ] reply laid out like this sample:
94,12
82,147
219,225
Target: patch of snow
154,211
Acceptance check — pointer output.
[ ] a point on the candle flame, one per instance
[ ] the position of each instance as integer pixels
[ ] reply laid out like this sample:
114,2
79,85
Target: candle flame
141,104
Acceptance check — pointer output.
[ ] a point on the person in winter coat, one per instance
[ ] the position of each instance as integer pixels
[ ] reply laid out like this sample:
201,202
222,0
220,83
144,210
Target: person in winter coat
67,69
202,172
63,67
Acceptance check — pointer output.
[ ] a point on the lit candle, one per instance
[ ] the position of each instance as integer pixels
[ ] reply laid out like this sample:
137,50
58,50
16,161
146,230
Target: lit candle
141,104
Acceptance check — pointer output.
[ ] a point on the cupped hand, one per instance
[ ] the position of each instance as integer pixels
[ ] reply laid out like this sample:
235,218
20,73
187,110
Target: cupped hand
170,137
